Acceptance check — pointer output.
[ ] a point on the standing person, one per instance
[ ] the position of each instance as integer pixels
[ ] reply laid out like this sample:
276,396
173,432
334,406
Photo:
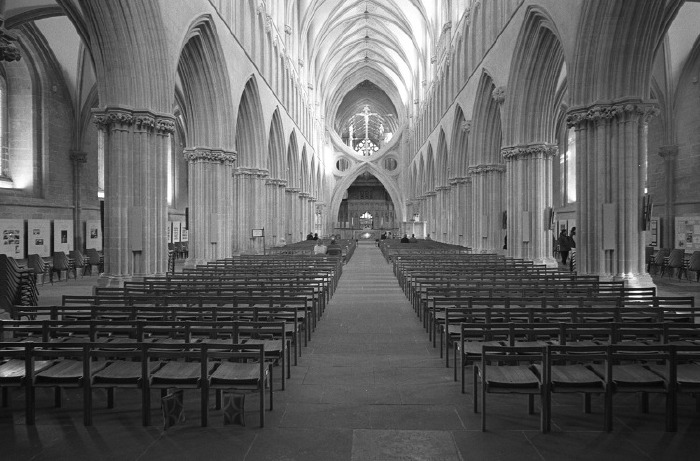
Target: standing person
564,245
571,237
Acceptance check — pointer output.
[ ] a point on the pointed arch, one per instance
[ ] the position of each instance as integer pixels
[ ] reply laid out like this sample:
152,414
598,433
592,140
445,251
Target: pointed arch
345,182
530,110
206,92
458,161
442,160
250,139
275,146
486,125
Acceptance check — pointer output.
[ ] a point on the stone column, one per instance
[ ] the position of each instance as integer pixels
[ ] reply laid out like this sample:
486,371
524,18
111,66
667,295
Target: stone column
276,216
292,201
529,196
611,169
136,146
487,209
78,159
669,154
210,175
250,204
431,204
461,210
442,215
303,216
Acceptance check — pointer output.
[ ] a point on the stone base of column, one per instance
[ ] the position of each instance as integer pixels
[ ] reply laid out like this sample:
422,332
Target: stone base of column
191,263
117,281
642,280
547,262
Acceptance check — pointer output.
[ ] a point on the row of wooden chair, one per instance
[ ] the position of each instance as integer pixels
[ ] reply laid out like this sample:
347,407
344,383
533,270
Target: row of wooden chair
675,260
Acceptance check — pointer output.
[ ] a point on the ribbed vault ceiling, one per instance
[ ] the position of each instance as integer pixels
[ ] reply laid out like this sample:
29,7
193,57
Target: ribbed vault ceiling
367,53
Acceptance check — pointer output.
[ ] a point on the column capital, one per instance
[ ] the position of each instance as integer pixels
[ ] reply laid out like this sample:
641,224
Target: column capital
205,154
430,193
486,168
292,190
78,157
440,188
618,109
668,152
304,195
123,117
460,180
541,150
276,182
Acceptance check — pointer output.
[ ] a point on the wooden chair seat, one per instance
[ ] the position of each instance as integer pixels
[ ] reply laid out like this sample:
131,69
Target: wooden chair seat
64,371
178,373
13,371
633,375
122,372
575,375
515,377
232,373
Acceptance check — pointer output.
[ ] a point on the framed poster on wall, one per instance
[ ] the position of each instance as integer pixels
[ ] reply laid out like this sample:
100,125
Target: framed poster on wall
687,233
12,231
176,231
169,231
93,235
39,237
62,235
184,233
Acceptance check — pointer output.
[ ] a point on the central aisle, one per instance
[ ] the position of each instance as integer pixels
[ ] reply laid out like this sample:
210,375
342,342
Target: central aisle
370,385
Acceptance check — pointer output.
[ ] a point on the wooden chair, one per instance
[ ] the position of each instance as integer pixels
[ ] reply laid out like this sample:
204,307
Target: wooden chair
514,373
94,259
79,261
565,372
39,266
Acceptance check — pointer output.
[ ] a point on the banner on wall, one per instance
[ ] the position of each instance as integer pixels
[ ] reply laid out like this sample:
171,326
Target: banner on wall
12,231
62,235
93,235
39,237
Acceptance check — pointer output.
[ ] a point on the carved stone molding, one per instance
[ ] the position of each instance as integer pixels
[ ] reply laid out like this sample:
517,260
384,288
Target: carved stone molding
304,195
433,58
622,109
201,154
288,29
447,26
460,180
668,152
499,94
276,182
439,188
466,126
483,169
8,50
113,116
301,63
292,190
123,117
252,172
532,150
78,157
431,193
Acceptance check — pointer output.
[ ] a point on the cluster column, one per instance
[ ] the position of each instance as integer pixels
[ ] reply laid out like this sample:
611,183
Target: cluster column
669,154
487,210
78,158
611,168
276,211
210,175
136,147
292,200
249,201
441,232
462,207
529,198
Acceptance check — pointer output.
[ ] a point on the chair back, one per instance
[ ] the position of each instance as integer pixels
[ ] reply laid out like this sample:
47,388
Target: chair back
93,256
660,255
78,259
36,263
676,257
60,261
694,263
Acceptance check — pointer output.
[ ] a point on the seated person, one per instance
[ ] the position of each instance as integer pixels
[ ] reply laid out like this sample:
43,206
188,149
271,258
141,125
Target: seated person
413,239
310,236
334,249
405,239
315,236
320,248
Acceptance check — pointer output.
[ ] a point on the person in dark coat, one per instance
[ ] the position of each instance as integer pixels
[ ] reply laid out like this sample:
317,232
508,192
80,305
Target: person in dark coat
572,242
405,239
564,245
